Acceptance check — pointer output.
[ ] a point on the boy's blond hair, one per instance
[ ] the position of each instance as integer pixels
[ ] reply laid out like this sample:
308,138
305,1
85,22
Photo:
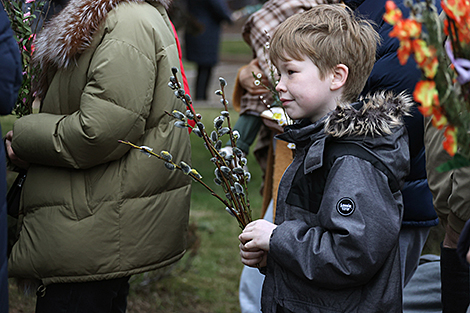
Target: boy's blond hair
329,34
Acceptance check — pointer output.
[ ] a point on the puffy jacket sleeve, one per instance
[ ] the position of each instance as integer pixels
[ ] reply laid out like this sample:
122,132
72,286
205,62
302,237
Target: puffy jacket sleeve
337,250
113,105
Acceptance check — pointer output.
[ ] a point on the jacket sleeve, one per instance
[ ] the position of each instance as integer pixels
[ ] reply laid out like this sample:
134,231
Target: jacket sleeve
10,66
114,105
336,249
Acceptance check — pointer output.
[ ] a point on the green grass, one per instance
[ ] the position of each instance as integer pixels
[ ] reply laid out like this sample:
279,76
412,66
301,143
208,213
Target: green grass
235,47
206,279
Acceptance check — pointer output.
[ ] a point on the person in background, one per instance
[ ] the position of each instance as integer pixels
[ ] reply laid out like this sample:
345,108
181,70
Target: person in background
463,245
389,75
53,7
334,244
202,38
10,82
451,200
463,250
93,210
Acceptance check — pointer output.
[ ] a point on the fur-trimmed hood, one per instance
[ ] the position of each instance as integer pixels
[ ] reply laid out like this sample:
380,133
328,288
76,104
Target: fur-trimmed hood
70,33
373,116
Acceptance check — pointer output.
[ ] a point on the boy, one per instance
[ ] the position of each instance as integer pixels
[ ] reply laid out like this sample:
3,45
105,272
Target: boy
334,244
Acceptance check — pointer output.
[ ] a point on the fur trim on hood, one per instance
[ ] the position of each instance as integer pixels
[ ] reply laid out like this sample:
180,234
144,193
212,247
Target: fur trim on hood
378,115
71,32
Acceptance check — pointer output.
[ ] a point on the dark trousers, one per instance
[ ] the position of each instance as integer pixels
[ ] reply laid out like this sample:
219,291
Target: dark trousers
204,74
455,289
105,296
281,309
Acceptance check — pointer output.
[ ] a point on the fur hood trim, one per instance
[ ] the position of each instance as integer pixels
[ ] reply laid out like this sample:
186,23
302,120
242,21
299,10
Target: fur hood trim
377,116
70,33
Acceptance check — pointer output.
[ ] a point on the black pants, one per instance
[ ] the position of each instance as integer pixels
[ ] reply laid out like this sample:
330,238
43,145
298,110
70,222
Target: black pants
204,74
105,296
281,309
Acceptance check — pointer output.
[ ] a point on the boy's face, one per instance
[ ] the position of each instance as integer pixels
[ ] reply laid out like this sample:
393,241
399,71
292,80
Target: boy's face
303,94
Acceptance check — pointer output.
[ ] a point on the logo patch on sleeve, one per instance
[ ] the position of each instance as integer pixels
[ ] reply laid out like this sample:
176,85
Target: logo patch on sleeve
345,206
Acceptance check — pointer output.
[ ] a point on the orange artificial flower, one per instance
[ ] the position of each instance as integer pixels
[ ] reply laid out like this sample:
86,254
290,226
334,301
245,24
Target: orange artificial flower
392,13
406,29
457,10
430,67
426,57
404,51
438,118
450,142
422,51
426,94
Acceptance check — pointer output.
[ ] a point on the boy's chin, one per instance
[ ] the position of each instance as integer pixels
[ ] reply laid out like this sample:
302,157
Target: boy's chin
291,114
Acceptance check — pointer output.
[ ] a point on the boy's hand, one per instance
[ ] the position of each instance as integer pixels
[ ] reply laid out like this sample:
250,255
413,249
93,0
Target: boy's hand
256,235
256,258
255,243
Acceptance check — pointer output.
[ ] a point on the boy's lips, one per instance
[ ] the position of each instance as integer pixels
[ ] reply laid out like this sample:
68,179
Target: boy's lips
285,101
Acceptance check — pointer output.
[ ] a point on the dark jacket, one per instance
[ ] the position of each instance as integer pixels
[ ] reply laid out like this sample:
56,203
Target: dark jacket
388,74
342,254
10,81
94,209
202,35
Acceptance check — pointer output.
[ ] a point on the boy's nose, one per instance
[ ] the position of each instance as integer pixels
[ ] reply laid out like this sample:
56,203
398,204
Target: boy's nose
280,86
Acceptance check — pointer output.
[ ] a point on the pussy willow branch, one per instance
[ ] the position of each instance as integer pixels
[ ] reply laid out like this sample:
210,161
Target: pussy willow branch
213,193
233,198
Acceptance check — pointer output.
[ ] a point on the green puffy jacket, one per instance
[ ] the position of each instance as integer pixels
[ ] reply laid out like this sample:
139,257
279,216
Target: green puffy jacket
93,208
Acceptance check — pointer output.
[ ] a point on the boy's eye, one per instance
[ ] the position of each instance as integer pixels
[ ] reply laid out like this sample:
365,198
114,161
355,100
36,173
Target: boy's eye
290,72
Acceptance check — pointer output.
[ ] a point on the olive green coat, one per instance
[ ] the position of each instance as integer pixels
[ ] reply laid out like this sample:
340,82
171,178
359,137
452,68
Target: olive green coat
93,208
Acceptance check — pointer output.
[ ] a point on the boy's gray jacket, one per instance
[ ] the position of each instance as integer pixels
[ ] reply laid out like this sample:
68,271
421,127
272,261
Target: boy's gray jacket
93,208
342,256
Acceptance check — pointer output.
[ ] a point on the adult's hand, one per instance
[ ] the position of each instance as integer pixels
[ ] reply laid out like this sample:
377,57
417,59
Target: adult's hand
254,86
11,154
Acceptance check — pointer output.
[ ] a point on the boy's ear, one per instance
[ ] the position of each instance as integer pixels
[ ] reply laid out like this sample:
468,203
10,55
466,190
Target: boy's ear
340,75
